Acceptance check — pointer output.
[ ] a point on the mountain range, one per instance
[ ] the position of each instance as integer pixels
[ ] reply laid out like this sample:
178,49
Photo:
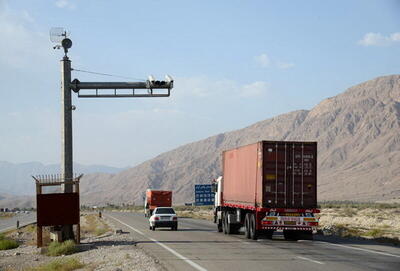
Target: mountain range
16,178
358,135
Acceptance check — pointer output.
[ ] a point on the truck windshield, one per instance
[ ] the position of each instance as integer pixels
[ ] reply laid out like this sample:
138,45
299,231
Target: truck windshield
165,211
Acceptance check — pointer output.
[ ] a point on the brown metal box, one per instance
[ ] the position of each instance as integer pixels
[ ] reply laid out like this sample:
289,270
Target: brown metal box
276,174
57,209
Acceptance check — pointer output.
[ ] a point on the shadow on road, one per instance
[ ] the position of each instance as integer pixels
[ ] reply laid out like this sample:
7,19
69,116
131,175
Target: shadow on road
358,241
95,244
193,230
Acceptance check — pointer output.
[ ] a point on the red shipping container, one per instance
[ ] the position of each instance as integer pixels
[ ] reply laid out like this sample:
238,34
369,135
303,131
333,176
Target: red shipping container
271,174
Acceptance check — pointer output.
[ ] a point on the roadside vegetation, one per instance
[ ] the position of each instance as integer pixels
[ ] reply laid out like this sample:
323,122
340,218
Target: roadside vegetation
63,264
92,225
378,221
5,215
114,207
7,243
358,205
199,212
64,248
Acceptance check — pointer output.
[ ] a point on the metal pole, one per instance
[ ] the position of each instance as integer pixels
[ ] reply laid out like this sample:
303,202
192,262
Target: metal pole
66,136
66,124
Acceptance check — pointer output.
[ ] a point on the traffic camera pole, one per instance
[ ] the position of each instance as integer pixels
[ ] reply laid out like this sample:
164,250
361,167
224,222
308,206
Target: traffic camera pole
66,137
152,87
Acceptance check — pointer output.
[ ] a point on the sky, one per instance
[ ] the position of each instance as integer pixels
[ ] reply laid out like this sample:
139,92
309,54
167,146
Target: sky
234,62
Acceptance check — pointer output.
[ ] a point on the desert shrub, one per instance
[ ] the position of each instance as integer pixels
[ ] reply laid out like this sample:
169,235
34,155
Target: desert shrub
342,231
357,205
100,231
349,212
6,243
374,233
66,264
64,248
94,226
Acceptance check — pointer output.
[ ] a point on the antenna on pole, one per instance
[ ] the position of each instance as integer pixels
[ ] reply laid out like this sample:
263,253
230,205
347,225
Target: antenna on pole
59,36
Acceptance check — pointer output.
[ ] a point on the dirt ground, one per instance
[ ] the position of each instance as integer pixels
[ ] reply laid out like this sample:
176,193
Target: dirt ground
101,249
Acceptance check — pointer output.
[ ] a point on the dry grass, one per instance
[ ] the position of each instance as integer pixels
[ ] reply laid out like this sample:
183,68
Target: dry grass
198,212
64,264
92,225
27,235
362,221
65,248
7,243
5,215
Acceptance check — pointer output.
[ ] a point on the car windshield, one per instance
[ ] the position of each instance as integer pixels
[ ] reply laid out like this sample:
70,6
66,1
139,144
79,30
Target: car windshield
165,211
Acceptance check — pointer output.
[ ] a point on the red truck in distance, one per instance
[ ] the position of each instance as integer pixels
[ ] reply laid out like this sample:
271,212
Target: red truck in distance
268,186
156,198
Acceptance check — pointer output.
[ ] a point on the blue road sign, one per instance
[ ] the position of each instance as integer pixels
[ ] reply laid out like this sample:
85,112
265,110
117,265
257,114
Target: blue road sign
203,194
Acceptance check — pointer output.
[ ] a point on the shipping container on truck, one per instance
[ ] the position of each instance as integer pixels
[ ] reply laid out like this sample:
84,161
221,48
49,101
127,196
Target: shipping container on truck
156,198
268,186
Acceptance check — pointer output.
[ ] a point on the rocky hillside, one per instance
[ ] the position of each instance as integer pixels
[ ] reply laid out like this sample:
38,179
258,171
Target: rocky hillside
358,133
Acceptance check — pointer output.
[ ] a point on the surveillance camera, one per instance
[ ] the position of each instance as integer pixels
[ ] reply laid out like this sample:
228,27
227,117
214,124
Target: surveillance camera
169,78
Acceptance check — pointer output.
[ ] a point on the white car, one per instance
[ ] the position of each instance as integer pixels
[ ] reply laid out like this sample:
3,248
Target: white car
164,217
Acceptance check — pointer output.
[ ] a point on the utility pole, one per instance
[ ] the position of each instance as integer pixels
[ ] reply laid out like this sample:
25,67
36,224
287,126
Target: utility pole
153,88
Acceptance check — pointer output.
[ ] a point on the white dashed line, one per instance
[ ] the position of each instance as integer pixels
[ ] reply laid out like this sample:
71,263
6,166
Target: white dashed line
362,249
310,260
191,263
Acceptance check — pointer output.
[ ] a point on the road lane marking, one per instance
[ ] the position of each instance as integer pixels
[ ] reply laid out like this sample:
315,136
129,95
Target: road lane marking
308,259
362,249
191,263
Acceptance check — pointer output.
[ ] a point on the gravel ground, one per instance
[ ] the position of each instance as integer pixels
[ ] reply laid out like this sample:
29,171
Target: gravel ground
109,252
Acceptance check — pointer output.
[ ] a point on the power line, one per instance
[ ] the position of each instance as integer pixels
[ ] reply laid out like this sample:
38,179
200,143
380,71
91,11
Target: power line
107,74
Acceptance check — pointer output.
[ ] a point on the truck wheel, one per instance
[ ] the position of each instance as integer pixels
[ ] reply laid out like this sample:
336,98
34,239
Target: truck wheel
247,226
223,223
219,226
228,226
253,230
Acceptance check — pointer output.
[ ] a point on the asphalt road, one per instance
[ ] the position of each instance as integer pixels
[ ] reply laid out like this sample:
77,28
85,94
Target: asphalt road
11,223
198,246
